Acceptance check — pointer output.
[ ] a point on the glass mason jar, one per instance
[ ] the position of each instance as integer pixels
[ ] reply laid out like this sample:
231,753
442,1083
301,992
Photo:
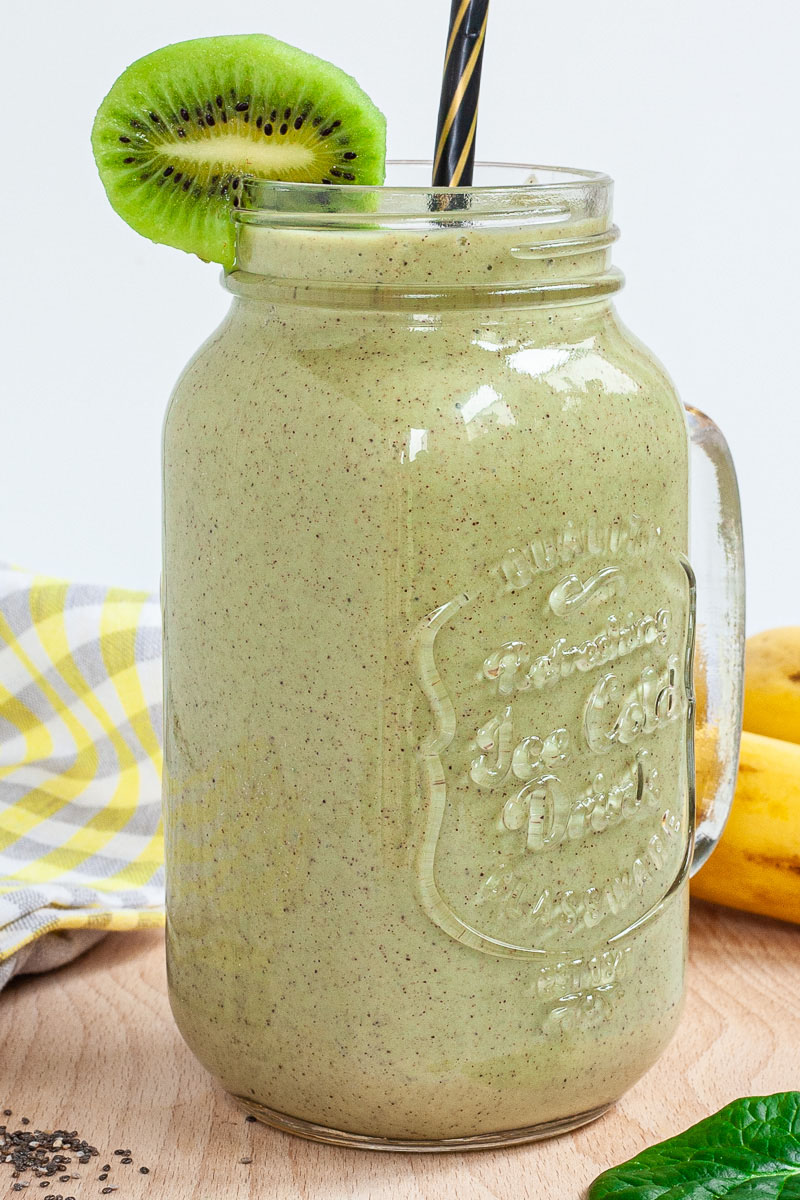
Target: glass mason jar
429,623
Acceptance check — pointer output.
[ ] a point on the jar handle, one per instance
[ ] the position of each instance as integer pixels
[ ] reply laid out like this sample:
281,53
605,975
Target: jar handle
717,555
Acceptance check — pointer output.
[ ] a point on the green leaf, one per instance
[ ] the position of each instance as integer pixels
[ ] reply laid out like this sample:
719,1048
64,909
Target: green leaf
749,1150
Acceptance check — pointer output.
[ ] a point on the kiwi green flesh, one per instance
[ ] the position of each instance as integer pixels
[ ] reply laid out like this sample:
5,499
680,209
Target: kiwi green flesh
183,126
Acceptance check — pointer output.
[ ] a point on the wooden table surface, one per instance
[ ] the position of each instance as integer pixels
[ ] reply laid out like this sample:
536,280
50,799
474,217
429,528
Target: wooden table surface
92,1047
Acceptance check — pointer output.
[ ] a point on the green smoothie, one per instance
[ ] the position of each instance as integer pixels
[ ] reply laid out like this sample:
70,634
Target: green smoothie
427,618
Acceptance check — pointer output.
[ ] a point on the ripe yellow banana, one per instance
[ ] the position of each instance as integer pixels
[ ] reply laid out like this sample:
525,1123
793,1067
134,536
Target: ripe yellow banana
772,684
756,865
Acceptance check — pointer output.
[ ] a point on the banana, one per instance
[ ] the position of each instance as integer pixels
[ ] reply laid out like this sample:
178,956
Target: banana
772,683
756,865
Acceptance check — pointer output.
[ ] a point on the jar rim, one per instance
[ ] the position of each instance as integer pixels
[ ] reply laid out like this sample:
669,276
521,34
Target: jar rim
552,192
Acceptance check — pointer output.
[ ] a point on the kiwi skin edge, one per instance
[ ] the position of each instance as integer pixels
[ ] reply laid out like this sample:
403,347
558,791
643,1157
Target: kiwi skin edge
181,128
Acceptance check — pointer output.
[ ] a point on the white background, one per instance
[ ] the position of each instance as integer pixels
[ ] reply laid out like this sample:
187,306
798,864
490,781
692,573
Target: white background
691,105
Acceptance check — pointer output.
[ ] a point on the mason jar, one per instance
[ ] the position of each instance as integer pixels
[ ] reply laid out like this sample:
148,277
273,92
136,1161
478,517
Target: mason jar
429,620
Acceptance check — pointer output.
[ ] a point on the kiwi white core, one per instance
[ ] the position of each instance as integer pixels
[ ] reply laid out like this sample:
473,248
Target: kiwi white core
244,154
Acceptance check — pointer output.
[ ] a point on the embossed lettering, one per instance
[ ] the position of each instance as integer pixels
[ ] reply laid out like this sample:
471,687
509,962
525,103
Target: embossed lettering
622,537
541,808
572,595
532,753
548,816
546,913
562,979
584,1010
494,740
613,716
499,754
499,800
509,666
513,668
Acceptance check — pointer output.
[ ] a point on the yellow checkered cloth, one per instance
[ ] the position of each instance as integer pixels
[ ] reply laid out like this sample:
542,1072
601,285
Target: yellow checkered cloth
80,766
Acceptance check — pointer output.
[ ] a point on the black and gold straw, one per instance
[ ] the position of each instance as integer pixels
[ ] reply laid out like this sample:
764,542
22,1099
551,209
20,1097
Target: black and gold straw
461,81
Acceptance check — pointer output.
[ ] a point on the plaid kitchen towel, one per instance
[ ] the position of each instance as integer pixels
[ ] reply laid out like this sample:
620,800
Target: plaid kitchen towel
81,848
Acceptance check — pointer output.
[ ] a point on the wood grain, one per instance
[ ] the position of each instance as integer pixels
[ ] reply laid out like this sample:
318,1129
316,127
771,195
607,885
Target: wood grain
93,1047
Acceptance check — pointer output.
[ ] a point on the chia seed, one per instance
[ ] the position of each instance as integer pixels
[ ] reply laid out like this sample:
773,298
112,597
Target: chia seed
45,1154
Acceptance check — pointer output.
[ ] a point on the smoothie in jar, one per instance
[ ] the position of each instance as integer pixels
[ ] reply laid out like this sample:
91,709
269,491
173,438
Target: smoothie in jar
427,633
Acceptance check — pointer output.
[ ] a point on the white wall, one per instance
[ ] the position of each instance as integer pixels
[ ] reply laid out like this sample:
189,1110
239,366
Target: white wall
691,105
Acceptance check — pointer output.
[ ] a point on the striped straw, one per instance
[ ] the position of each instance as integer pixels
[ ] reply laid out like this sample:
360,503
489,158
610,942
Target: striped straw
461,81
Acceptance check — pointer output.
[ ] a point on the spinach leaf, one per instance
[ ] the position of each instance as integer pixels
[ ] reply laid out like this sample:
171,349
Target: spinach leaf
749,1150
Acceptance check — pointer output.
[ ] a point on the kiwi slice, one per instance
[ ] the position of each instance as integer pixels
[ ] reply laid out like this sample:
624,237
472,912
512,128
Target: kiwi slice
183,126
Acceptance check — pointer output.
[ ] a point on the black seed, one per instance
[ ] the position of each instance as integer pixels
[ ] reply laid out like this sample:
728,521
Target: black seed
349,154
317,121
235,201
210,120
155,117
348,175
298,122
167,171
6,1112
327,181
201,122
107,1167
247,116
137,124
235,183
144,1170
284,128
185,114
245,1161
335,124
224,118
178,176
259,122
273,116
103,1177
326,131
124,139
268,129
219,101
130,159
127,1160
181,132
250,1119
243,106
287,112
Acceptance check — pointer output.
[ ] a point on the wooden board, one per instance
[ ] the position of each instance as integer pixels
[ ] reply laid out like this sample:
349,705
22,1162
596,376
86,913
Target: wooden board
93,1047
